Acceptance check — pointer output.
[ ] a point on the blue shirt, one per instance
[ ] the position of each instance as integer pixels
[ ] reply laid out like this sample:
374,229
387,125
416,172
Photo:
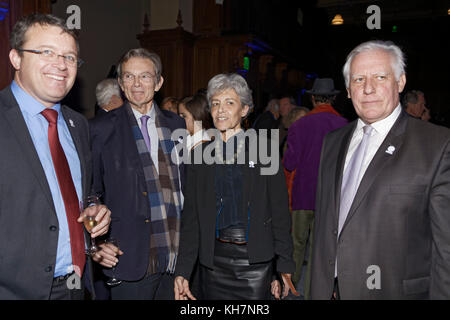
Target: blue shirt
38,128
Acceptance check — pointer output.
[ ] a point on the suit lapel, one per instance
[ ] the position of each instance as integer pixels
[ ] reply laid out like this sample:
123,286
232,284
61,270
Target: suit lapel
20,132
74,128
381,159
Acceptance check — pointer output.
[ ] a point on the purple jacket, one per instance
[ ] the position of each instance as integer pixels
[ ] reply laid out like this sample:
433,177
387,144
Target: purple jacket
304,143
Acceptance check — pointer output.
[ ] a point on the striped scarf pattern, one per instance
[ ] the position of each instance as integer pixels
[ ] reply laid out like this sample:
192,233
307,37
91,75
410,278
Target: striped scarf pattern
163,192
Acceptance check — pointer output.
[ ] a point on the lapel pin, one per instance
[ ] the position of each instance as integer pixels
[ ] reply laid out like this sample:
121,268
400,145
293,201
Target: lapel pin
251,164
390,150
71,123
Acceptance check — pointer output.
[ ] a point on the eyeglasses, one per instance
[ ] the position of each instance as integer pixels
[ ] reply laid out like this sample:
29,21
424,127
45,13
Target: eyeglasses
143,77
51,56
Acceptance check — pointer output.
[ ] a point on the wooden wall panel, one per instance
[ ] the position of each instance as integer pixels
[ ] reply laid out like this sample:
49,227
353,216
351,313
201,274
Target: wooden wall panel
175,47
208,17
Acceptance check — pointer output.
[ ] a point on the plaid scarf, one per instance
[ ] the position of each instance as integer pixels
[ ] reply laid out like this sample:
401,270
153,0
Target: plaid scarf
163,192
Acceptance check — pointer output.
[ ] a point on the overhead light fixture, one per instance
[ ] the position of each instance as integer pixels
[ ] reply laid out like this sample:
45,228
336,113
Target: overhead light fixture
337,20
448,12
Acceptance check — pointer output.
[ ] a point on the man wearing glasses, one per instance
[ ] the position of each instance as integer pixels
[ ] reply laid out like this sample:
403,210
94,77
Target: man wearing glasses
133,169
45,168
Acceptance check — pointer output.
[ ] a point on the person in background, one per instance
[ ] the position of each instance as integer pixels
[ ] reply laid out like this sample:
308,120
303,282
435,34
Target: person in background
287,103
414,103
107,93
269,118
304,143
195,112
293,115
170,104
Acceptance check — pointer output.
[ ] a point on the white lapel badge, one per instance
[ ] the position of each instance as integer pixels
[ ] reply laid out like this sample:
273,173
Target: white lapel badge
71,123
251,164
390,150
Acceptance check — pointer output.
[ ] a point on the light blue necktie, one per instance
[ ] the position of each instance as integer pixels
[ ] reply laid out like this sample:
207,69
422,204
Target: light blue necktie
144,131
351,176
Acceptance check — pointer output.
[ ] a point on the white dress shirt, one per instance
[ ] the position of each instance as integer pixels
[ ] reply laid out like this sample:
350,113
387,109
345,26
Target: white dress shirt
381,129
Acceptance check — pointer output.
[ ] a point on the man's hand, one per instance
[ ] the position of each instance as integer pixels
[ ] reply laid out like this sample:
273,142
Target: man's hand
107,256
181,289
102,216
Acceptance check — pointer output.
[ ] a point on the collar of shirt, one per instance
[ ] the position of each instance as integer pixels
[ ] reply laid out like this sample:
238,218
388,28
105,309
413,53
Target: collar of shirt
383,126
151,113
29,104
197,137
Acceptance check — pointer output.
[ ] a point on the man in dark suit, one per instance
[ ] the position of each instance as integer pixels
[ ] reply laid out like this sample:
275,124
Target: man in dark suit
140,181
382,210
45,167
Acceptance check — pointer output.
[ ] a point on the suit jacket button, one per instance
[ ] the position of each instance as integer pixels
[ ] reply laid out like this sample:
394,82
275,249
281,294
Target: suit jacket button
53,228
144,193
331,262
147,220
49,269
335,232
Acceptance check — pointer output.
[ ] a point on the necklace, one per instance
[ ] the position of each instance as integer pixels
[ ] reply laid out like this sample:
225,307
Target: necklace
219,154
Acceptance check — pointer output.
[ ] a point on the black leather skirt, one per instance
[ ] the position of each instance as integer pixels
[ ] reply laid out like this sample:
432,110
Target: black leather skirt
233,277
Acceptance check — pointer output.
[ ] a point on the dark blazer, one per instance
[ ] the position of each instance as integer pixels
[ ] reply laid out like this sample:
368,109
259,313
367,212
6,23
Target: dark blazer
399,220
270,221
119,176
28,221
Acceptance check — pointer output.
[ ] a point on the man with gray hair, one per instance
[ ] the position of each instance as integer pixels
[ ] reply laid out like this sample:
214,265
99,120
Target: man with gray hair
134,171
269,119
382,228
108,95
414,103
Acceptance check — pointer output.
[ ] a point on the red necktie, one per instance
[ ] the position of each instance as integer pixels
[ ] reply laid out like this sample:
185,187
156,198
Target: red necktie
68,192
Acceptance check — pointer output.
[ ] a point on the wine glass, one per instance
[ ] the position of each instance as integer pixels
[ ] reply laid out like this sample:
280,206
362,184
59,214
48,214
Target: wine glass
89,219
113,281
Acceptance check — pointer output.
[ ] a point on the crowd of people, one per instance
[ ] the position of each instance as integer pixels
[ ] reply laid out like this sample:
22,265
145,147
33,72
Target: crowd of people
301,204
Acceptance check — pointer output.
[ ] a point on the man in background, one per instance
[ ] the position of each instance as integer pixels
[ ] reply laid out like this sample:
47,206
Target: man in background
304,143
414,103
108,95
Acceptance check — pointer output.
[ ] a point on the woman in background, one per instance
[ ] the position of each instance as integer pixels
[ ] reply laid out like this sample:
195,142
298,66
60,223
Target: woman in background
195,112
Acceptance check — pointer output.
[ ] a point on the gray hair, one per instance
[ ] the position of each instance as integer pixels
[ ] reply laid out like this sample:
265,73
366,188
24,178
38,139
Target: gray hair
273,105
105,90
411,96
17,36
222,82
141,53
397,62
293,114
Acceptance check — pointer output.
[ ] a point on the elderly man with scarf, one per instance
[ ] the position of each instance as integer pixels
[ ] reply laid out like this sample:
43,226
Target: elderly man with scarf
134,172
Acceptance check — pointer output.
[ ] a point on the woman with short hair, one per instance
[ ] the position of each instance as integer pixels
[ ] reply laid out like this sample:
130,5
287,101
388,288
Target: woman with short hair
235,220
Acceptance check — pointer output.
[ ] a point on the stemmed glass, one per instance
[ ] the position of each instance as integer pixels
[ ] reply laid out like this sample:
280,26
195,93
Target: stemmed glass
89,219
113,281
